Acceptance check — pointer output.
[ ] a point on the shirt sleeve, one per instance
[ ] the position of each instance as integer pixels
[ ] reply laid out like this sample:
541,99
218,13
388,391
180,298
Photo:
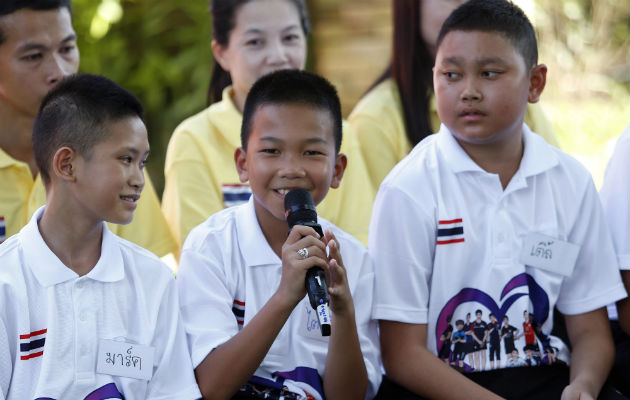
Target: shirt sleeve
174,377
205,300
190,196
401,244
6,365
595,281
367,327
615,196
148,228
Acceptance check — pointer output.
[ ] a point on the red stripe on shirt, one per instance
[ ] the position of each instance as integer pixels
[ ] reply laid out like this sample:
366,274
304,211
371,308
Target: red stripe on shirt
39,353
239,303
450,221
450,241
33,334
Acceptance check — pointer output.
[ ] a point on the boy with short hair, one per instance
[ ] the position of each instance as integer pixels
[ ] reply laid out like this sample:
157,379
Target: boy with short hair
241,278
485,213
38,48
85,313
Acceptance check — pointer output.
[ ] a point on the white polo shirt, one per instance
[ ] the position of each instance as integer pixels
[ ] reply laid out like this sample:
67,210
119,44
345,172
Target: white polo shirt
446,240
615,195
228,272
52,321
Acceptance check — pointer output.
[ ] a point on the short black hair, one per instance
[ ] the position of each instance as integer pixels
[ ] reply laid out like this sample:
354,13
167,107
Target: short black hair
478,312
292,86
74,113
10,6
500,16
459,322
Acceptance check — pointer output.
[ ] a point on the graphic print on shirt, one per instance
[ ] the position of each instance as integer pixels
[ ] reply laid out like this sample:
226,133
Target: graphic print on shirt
450,231
3,229
107,392
235,194
537,347
32,344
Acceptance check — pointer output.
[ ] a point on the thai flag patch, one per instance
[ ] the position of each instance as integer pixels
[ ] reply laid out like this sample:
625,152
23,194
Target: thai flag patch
32,344
235,194
3,230
238,308
450,231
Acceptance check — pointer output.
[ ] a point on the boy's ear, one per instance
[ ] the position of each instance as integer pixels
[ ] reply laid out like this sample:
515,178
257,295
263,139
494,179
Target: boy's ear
341,161
218,52
63,164
537,81
240,159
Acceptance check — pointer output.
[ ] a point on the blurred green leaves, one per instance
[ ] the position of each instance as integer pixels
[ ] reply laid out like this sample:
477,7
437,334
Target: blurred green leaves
159,50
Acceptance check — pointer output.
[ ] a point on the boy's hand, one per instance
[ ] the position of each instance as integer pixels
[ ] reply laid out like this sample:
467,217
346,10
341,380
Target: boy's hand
573,392
340,297
294,266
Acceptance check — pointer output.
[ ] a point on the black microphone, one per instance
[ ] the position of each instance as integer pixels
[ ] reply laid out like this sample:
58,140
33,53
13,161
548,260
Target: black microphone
300,210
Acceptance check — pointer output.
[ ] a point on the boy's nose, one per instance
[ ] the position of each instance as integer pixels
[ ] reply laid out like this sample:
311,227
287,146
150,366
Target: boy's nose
137,179
470,92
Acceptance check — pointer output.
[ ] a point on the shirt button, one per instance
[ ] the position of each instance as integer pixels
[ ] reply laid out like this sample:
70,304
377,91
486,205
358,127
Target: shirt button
80,285
501,237
83,350
83,316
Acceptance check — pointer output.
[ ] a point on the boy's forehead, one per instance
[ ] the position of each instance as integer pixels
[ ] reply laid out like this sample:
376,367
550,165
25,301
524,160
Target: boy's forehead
301,119
465,42
127,132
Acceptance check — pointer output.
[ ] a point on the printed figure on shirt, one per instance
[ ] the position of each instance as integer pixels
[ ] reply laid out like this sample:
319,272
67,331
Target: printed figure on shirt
89,315
483,216
459,341
242,271
494,338
445,350
250,38
38,47
509,333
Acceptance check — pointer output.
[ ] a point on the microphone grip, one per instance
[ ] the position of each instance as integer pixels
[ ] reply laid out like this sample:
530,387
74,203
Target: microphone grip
317,291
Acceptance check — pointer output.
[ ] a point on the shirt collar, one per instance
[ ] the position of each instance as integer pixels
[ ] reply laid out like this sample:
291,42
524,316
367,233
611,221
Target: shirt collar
227,118
251,239
50,271
6,160
538,156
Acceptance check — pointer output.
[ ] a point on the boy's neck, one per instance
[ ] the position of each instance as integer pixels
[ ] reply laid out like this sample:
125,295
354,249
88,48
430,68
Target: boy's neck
15,137
502,157
275,230
76,242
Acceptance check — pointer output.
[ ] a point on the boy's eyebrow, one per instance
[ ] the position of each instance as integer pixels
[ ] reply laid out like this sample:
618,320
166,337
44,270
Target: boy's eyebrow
38,46
455,60
313,140
135,151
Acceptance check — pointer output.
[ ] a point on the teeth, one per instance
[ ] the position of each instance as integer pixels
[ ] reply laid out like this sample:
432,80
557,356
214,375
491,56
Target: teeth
283,191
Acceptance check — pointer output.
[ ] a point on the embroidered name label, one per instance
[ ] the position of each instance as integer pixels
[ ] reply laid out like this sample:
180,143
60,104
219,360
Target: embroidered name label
125,359
548,253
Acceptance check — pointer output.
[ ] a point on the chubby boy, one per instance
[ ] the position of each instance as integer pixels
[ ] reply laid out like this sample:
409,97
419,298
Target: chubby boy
486,214
86,314
241,278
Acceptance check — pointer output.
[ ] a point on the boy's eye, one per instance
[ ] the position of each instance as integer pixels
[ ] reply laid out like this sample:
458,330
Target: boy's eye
490,74
143,163
270,151
67,49
313,153
125,159
32,57
451,75
253,42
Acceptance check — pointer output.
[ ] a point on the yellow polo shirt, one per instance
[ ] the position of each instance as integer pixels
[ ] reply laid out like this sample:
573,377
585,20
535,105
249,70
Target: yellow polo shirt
378,121
201,178
21,196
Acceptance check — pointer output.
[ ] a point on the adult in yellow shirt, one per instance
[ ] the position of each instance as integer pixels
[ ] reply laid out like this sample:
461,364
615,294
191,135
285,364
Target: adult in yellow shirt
399,110
37,49
200,174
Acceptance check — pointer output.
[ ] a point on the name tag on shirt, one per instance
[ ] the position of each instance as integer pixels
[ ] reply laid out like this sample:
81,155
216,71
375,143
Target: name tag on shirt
125,359
548,253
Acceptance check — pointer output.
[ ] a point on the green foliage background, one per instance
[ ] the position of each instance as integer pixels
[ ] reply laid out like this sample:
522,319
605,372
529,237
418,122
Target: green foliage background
160,50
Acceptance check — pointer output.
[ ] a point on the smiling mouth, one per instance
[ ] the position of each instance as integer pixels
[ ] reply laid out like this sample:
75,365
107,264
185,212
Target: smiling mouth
132,198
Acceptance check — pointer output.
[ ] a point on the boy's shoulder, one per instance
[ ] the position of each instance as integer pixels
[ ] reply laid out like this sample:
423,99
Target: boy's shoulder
219,227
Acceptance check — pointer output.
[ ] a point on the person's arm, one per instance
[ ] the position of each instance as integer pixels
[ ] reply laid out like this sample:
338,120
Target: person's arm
345,375
409,363
623,305
231,364
592,354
